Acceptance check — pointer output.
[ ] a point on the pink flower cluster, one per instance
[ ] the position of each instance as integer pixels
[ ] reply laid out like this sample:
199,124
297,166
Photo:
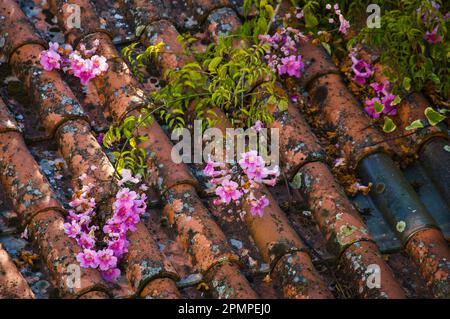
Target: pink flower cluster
383,97
361,69
283,56
344,25
432,37
128,207
83,64
386,101
237,183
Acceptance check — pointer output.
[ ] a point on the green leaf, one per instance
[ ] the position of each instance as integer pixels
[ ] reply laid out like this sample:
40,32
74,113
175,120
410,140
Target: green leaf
296,181
310,20
326,47
127,133
407,83
262,25
414,125
132,142
214,63
433,116
389,125
397,100
272,100
283,105
378,107
269,10
435,79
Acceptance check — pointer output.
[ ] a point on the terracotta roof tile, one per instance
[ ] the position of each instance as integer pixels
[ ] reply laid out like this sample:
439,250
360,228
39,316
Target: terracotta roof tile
430,251
34,201
12,283
58,103
355,136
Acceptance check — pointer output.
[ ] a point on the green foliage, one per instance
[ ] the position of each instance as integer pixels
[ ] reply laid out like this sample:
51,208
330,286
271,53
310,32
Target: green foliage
309,10
223,77
124,140
315,23
138,61
411,61
260,24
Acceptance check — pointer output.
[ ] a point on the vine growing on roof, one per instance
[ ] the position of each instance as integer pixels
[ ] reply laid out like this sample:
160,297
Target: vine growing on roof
225,75
222,77
123,139
380,102
414,33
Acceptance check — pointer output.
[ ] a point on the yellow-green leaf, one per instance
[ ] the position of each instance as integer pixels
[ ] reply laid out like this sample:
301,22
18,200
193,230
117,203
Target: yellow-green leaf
414,125
378,107
282,105
326,47
433,116
396,101
214,63
310,19
139,30
406,83
389,125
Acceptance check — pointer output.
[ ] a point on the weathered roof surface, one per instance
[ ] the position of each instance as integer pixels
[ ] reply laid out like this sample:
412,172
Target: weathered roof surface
312,242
